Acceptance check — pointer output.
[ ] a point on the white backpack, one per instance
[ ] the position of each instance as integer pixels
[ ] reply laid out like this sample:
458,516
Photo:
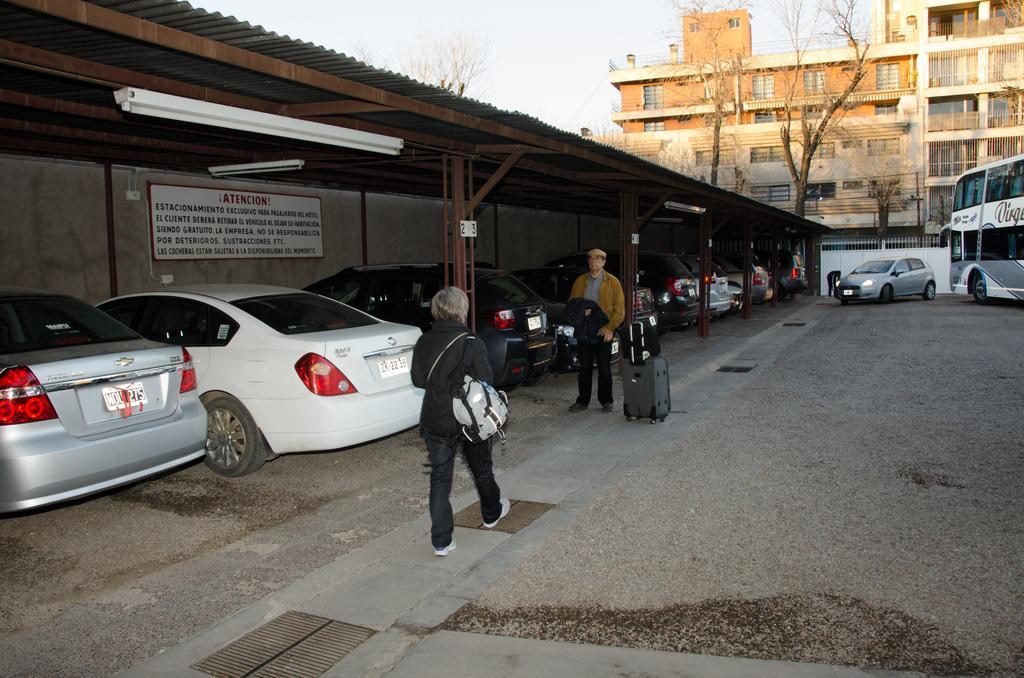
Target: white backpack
480,409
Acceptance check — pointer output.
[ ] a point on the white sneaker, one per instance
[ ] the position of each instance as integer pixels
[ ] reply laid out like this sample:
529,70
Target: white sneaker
444,550
506,505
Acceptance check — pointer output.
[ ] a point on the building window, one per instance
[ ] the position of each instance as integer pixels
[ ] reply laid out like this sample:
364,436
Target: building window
822,191
710,88
853,144
952,114
885,109
654,97
825,151
1005,63
879,147
764,87
940,202
658,126
884,188
695,27
726,156
814,82
764,116
1003,147
887,76
766,154
953,68
856,185
772,192
952,158
812,113
734,23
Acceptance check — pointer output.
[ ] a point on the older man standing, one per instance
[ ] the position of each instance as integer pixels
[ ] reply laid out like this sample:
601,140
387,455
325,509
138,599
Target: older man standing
605,290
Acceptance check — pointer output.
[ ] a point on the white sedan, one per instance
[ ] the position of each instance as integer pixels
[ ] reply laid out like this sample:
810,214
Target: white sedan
281,370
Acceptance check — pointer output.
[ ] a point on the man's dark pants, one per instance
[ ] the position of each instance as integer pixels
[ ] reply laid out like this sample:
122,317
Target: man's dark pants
603,352
441,452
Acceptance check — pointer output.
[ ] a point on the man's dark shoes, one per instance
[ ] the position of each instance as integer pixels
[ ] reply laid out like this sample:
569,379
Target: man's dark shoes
606,407
577,407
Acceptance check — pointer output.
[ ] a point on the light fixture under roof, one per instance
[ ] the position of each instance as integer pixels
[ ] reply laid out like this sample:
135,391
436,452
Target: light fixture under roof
171,107
683,207
256,168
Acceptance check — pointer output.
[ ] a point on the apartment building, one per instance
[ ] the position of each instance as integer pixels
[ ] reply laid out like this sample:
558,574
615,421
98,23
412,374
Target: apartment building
941,92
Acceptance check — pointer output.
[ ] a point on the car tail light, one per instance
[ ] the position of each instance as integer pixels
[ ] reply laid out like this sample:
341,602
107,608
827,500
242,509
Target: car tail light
795,273
22,398
502,319
757,279
322,377
676,286
638,300
188,373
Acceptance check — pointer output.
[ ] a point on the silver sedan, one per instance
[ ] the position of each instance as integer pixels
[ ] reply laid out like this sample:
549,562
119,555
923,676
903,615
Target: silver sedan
884,279
85,403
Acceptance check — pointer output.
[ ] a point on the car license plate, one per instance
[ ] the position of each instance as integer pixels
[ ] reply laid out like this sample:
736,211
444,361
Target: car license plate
393,366
847,293
533,322
124,397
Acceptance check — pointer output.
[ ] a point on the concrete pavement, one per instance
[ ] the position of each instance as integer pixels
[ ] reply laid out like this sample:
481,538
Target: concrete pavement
396,586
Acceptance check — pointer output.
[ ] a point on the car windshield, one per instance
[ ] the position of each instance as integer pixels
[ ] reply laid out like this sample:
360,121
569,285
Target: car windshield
38,323
879,266
509,288
303,313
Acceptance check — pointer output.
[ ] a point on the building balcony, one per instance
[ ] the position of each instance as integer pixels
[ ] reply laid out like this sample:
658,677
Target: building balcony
944,122
962,30
1005,119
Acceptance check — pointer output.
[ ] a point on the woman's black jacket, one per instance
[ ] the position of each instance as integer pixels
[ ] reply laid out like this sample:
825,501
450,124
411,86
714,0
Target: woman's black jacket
436,412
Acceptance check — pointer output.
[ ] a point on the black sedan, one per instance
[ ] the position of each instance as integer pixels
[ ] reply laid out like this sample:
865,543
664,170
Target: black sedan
510,318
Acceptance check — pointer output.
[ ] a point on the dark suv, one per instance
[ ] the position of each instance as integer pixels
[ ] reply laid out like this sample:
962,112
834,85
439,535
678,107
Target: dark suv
673,289
510,318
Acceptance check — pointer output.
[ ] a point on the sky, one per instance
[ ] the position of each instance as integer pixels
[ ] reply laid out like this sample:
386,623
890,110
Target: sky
548,59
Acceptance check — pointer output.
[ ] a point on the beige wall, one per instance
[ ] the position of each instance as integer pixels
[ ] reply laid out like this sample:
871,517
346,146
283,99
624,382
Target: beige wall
53,234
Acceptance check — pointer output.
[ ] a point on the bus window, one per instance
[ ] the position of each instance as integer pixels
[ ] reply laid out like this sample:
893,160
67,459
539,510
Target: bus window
970,245
998,184
1016,180
995,244
974,186
956,250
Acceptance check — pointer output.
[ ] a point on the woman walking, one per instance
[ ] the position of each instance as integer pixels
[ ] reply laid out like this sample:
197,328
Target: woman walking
440,361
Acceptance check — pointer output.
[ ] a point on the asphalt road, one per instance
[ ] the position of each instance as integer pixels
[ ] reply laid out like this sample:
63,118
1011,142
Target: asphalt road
868,473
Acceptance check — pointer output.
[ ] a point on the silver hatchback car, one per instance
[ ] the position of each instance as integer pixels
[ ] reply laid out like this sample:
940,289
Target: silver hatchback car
85,403
884,279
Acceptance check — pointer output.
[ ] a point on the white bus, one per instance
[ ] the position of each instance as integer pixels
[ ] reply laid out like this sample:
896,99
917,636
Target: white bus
986,232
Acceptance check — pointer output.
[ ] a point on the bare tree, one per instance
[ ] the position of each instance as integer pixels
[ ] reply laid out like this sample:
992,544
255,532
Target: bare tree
718,64
452,62
807,93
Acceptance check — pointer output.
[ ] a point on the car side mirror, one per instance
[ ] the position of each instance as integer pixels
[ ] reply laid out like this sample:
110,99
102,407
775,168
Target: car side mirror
895,274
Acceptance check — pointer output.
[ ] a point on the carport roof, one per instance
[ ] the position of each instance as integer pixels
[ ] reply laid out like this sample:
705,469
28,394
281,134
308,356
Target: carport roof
61,61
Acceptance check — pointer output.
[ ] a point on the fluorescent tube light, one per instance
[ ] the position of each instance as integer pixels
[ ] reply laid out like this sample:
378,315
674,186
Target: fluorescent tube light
683,207
157,104
256,168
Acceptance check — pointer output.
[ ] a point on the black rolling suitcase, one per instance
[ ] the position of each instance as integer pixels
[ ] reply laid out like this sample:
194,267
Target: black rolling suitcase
645,390
643,342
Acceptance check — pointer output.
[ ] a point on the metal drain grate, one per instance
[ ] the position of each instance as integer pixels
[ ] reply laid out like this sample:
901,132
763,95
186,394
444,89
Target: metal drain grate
519,516
793,324
296,644
734,368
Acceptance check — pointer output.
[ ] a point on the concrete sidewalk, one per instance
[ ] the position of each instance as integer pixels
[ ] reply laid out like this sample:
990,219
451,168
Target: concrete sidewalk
396,587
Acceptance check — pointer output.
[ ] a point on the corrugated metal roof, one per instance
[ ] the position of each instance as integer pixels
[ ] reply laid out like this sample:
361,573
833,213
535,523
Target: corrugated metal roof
61,73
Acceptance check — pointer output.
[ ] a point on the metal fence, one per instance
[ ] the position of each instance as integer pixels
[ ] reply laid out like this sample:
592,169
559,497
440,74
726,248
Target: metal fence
874,242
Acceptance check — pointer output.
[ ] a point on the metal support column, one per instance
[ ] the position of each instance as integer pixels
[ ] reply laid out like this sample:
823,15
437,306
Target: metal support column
458,214
627,229
704,248
748,264
775,266
108,186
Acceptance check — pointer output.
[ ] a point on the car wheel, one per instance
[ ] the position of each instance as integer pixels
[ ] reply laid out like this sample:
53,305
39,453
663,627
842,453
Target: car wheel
885,296
929,291
234,444
979,288
844,302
